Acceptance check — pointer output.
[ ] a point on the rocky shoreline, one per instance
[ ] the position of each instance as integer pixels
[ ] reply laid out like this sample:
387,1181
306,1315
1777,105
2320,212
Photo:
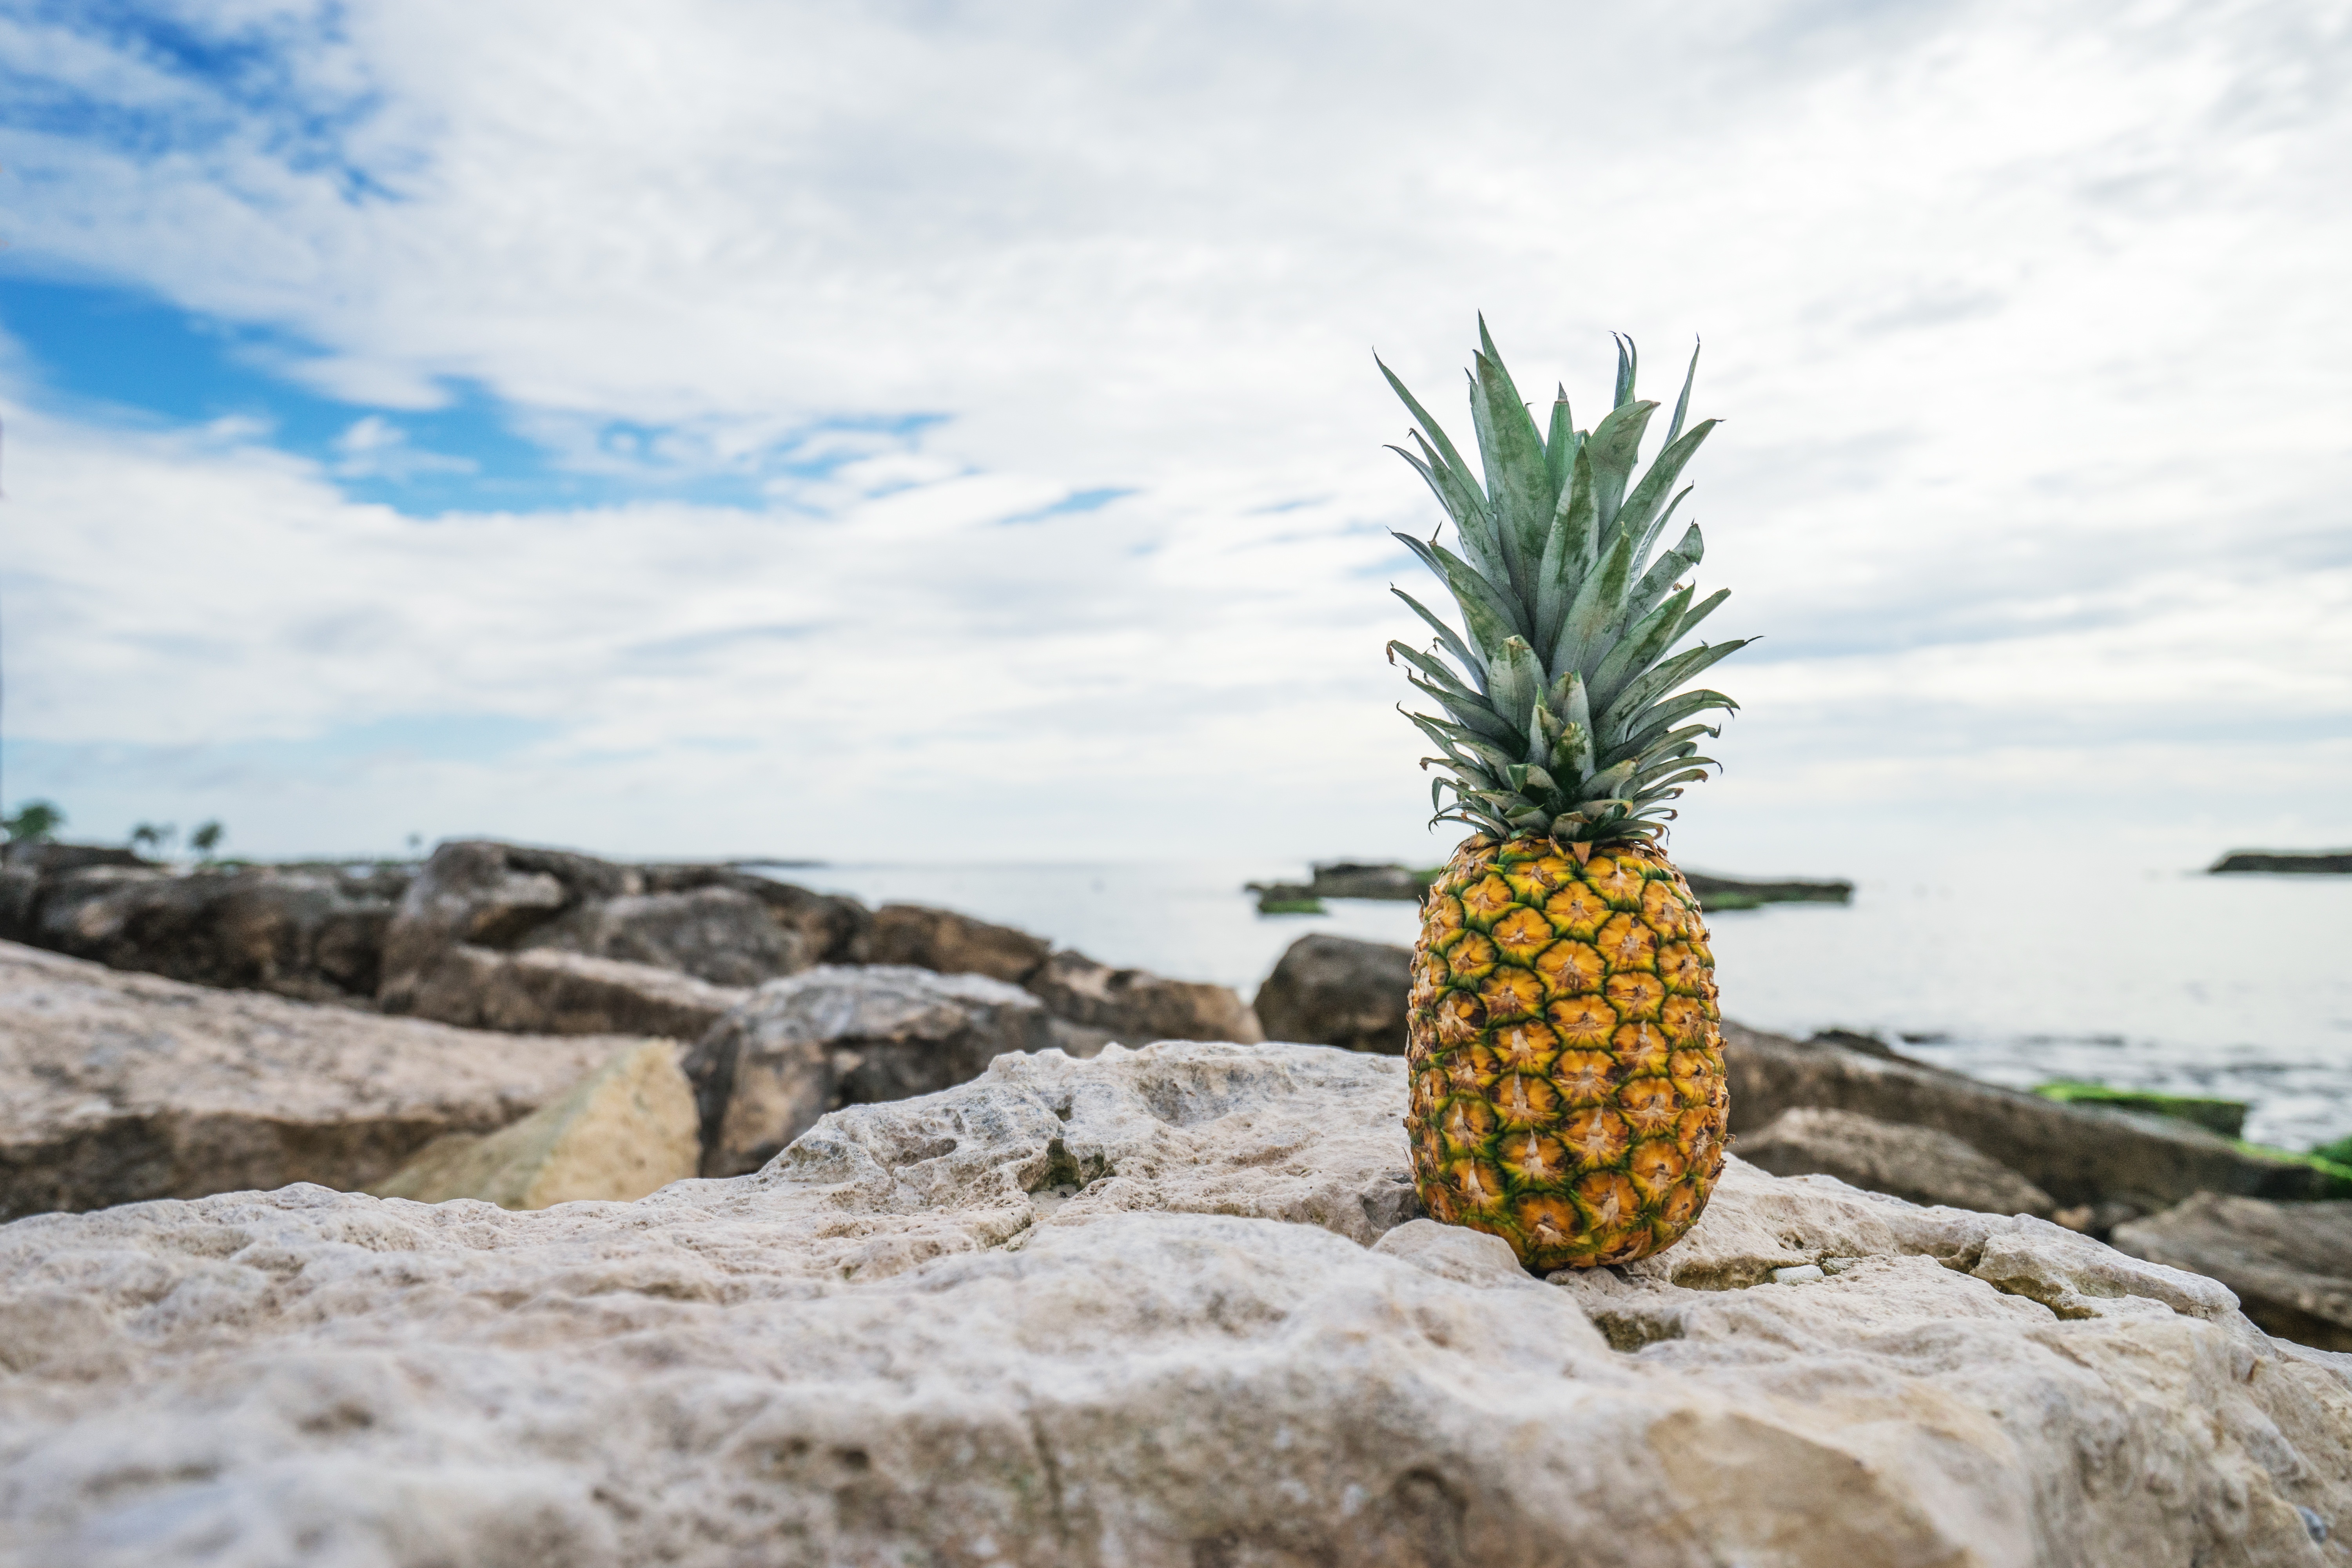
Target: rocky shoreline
926,1138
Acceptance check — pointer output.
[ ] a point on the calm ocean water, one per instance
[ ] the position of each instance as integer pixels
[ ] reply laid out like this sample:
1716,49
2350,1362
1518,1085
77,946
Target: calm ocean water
2235,987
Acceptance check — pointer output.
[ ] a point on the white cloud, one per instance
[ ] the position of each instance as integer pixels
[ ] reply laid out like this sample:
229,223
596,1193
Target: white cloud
2025,316
376,449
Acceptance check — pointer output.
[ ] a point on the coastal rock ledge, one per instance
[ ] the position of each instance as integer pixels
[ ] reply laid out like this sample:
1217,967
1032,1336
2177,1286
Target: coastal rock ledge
1173,1306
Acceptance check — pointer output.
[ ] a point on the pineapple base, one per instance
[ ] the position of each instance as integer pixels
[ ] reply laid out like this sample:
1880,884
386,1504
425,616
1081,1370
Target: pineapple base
1566,1053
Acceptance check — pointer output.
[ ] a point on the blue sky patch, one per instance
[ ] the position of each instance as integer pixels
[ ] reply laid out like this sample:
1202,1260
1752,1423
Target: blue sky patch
111,355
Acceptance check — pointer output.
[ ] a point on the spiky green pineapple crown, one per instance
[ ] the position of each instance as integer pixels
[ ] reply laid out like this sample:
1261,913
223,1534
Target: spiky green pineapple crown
1568,717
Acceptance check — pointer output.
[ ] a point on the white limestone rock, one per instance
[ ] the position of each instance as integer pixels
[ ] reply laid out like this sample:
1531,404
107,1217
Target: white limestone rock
1164,1307
626,1129
117,1087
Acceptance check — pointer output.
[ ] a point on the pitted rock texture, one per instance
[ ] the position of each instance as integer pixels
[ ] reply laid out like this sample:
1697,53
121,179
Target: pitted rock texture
117,1087
1161,1309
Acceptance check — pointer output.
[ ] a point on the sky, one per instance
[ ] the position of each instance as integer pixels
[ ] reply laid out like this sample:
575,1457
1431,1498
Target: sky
930,429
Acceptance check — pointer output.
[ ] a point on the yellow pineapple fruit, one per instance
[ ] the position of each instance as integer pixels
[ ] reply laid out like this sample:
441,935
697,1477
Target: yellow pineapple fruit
1568,1087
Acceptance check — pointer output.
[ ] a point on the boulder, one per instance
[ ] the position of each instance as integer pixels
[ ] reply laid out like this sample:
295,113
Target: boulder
838,1035
313,933
1133,1004
543,991
951,943
1920,1164
43,858
1166,1307
116,1087
507,897
2081,1155
20,888
1337,991
627,1128
722,935
2289,1263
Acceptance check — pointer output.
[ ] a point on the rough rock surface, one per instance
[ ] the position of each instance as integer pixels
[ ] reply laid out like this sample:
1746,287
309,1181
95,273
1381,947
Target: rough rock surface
1338,991
840,1036
1916,1162
116,1087
545,991
2078,1154
722,935
626,1129
475,893
2291,1265
1164,1308
313,933
928,938
1135,1005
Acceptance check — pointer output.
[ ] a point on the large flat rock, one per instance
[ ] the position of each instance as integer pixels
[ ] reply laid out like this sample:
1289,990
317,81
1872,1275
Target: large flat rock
117,1087
2290,1263
1168,1306
2078,1154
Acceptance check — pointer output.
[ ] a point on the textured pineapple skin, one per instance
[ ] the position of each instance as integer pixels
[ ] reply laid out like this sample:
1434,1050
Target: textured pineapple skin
1566,1052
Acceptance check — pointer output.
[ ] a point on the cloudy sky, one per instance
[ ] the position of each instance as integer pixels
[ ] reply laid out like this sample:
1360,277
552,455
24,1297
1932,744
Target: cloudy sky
938,428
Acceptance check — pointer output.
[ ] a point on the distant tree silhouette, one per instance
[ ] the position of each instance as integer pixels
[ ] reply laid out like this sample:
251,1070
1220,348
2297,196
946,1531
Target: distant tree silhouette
35,822
206,838
151,838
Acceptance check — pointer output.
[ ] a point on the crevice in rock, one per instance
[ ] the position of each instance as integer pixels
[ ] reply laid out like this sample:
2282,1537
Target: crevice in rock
1632,1331
1064,1169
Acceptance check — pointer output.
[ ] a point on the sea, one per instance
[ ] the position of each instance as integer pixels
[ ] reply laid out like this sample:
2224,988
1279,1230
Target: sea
2237,987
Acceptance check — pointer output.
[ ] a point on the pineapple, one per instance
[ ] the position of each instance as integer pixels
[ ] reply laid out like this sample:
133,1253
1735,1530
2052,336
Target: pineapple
1567,1088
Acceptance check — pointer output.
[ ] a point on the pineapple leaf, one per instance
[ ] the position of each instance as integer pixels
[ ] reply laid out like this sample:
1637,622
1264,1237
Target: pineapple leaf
1616,445
1650,534
1598,601
1665,716
1571,701
1605,785
1704,608
1682,404
1463,503
1515,482
1579,507
1436,431
1654,778
1642,506
1572,754
1640,648
1515,683
1560,446
1437,669
1576,535
1446,636
1686,553
1629,361
1635,698
1468,709
1487,616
